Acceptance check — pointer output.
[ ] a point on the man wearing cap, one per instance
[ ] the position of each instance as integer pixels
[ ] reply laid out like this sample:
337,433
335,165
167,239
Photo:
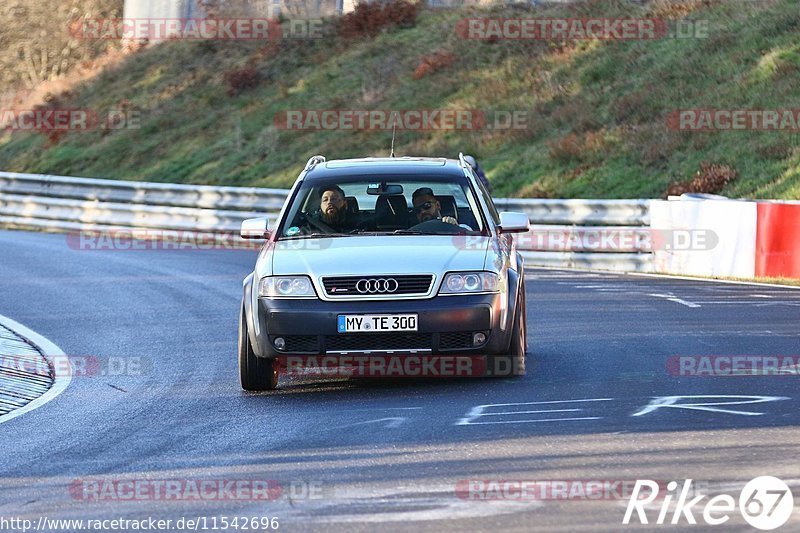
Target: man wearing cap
427,207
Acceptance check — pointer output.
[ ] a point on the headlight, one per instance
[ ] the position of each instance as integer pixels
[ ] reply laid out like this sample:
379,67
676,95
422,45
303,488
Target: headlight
466,282
286,287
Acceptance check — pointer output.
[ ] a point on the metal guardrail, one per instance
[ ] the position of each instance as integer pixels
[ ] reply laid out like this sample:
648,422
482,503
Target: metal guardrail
149,193
62,203
50,202
580,212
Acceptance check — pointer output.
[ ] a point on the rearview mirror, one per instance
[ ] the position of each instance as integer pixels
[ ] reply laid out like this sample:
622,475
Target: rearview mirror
384,188
255,228
511,222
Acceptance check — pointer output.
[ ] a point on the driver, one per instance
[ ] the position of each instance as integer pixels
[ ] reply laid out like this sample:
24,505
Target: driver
427,207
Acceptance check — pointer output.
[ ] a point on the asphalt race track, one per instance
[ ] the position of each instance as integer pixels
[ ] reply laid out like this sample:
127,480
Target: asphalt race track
598,402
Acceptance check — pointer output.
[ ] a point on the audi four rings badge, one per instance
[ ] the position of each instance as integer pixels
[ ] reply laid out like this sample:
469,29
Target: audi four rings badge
374,286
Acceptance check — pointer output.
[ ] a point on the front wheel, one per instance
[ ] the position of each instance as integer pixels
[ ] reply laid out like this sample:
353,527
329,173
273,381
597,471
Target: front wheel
512,363
255,373
519,340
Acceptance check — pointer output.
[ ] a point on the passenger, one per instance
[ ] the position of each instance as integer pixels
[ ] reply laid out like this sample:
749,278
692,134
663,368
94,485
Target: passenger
333,214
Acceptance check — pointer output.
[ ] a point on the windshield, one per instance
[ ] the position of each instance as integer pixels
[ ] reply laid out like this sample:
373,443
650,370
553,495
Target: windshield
366,205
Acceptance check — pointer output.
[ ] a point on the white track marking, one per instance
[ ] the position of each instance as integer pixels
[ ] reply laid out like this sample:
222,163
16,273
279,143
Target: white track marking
479,411
672,402
391,422
728,295
532,421
549,401
49,350
385,409
749,304
673,298
532,412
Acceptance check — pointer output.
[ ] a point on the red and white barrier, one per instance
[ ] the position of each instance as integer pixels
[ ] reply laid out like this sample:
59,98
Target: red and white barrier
753,239
733,223
778,240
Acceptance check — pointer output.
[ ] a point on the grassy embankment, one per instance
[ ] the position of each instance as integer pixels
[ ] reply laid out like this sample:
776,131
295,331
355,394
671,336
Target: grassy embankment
598,109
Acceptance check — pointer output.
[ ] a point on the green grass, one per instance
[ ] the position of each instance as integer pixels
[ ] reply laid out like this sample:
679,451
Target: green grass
597,110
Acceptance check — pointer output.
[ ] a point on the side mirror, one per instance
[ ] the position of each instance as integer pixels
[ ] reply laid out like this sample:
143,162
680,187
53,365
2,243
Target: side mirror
511,222
255,228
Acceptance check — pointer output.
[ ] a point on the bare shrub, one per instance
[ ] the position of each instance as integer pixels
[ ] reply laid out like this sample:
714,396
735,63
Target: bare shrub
710,179
368,19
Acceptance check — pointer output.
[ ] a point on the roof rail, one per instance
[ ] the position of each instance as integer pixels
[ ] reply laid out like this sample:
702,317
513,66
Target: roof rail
314,161
463,161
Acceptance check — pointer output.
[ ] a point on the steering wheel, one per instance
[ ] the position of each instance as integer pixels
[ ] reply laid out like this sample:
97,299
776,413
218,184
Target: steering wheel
437,226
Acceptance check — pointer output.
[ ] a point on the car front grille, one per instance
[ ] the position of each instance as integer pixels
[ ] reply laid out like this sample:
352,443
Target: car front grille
377,286
375,342
378,342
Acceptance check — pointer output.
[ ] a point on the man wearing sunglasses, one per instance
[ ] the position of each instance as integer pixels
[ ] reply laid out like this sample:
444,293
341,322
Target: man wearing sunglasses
427,207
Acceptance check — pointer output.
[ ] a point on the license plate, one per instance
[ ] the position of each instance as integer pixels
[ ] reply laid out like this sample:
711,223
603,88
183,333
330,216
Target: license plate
376,323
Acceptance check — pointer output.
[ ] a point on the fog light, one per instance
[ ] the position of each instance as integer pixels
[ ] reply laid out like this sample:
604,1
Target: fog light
478,339
279,343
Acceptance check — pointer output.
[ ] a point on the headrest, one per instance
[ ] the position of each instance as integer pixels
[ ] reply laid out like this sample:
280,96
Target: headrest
391,210
448,206
352,205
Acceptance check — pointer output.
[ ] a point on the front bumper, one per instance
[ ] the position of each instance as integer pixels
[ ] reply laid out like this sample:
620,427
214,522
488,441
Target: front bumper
446,325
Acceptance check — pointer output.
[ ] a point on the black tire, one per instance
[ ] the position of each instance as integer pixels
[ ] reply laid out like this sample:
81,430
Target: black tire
525,315
512,362
255,373
519,339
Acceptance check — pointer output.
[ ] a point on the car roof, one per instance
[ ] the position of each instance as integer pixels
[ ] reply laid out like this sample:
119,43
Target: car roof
376,166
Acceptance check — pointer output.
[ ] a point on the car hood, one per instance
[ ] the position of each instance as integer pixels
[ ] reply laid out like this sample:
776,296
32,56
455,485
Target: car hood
395,254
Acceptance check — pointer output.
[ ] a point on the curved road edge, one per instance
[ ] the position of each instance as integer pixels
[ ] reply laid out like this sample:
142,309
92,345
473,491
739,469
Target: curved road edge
49,350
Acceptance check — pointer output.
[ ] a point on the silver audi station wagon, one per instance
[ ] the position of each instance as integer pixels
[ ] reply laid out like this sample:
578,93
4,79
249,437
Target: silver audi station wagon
372,257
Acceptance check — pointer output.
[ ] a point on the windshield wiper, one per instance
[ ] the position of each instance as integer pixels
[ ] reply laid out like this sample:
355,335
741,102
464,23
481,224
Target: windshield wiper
314,235
414,232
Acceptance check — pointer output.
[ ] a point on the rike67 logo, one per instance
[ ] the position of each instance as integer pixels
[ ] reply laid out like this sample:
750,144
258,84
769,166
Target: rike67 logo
766,503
